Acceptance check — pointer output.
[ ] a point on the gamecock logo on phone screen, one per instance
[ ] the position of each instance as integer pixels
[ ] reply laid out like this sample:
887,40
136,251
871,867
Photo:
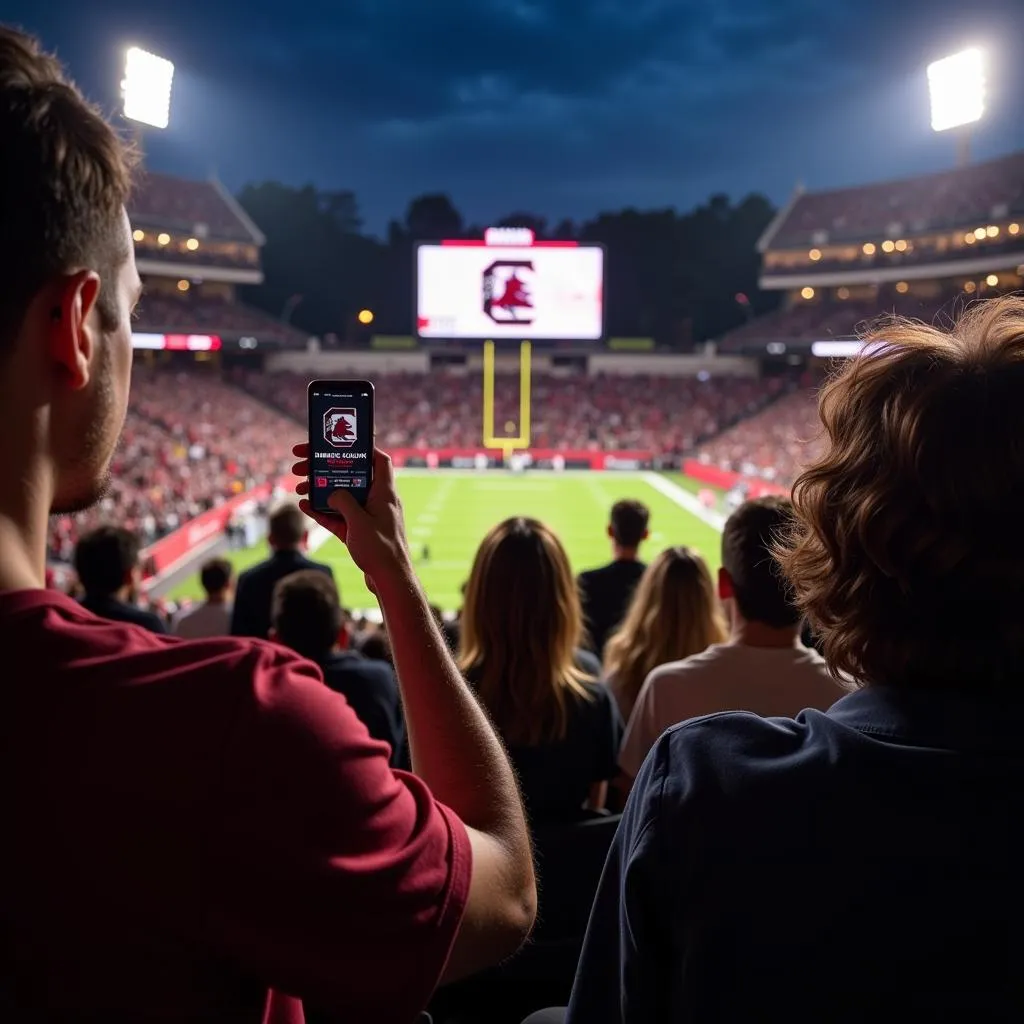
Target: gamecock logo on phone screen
340,427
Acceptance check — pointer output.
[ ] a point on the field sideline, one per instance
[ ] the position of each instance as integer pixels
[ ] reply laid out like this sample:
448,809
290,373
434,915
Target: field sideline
449,512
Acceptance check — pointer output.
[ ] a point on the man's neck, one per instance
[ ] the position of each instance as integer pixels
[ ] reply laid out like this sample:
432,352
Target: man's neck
621,554
758,634
23,566
216,598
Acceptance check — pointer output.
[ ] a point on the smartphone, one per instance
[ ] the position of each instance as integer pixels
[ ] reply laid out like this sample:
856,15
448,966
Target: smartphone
340,440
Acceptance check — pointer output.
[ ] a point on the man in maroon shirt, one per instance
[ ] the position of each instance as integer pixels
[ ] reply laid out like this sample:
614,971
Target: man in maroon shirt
202,831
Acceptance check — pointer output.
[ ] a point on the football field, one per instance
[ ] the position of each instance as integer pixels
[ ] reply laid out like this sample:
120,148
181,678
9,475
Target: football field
447,514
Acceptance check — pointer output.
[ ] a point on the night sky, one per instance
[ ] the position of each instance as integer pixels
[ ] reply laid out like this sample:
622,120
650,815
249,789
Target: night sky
559,107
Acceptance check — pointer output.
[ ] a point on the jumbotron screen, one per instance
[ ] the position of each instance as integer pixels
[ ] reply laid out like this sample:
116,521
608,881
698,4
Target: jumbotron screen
509,287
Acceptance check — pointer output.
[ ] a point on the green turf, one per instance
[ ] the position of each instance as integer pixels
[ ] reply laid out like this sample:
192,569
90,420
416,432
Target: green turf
451,512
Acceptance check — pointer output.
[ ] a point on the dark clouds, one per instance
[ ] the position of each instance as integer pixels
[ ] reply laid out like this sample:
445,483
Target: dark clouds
559,106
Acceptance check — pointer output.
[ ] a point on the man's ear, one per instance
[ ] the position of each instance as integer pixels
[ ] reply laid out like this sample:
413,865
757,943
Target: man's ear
72,337
344,640
611,531
725,587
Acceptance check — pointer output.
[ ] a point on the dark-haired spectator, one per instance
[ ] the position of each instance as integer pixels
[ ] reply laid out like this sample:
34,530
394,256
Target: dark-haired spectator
520,648
287,535
107,564
763,668
606,592
213,616
199,830
375,646
307,617
864,863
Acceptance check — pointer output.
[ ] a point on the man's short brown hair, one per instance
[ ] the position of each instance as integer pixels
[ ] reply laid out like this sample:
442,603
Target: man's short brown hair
906,556
287,526
629,521
760,591
64,179
306,613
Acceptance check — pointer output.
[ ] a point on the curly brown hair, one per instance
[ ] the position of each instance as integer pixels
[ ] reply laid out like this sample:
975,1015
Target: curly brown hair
906,554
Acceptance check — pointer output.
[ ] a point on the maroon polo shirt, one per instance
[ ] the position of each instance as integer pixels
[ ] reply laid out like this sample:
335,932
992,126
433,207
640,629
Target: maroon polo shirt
203,831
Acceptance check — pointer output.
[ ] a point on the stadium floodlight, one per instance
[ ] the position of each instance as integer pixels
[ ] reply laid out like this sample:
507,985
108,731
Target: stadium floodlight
147,87
957,88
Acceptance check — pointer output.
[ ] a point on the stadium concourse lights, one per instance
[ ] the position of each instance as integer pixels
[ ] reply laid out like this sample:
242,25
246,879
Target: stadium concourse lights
956,85
147,87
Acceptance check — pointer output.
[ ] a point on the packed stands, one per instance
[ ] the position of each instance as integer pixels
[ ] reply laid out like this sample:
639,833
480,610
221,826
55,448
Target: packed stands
920,248
971,195
773,444
179,205
194,245
194,312
190,442
667,415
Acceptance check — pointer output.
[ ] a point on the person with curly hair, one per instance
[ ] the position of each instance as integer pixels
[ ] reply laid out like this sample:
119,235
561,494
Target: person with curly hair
864,861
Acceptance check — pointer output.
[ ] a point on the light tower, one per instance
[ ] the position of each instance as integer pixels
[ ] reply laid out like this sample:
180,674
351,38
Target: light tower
146,90
956,85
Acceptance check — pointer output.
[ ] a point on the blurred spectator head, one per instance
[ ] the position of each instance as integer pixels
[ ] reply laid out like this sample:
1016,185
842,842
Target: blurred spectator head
628,523
107,559
306,614
674,613
215,576
749,573
904,550
521,627
375,646
287,527
67,261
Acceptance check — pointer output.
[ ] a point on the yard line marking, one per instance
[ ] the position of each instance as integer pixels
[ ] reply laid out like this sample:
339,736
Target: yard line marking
684,499
317,538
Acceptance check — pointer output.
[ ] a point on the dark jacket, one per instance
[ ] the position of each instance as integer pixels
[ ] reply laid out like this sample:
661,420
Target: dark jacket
119,611
606,593
255,590
371,690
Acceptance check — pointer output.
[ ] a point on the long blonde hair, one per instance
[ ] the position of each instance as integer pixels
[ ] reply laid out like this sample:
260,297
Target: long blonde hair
674,613
521,626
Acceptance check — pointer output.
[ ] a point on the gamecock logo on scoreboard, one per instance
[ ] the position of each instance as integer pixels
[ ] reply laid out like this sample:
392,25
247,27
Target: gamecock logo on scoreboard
340,427
507,291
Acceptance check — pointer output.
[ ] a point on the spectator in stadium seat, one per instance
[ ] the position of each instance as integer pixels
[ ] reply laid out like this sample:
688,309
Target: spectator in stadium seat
213,616
521,631
107,564
194,829
255,592
863,863
606,591
307,617
674,613
763,668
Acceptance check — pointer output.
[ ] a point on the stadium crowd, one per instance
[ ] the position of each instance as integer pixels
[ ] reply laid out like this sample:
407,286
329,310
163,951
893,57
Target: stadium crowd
274,826
661,414
773,444
190,443
193,315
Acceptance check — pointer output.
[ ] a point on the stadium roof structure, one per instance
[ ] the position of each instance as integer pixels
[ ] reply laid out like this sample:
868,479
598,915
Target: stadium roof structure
964,197
205,209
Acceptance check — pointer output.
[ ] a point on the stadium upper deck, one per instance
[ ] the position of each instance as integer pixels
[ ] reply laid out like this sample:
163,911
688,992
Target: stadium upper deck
913,247
193,245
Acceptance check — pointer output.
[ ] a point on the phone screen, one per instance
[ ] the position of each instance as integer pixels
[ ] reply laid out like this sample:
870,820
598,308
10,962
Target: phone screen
340,440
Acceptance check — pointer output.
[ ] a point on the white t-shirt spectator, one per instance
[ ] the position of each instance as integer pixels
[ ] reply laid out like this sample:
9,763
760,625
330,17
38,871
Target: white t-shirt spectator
769,681
208,620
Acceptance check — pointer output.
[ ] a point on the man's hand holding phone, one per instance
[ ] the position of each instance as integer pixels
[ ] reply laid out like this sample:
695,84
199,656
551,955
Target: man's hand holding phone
374,534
